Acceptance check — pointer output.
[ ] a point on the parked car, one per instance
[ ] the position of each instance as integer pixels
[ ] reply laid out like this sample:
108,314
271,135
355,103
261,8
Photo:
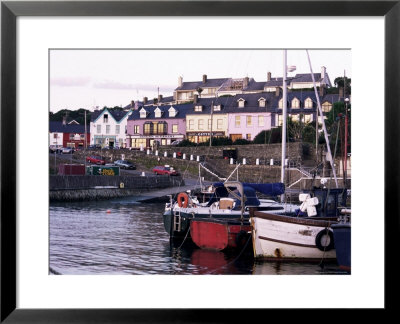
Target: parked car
68,150
125,164
176,142
55,148
95,159
166,169
94,147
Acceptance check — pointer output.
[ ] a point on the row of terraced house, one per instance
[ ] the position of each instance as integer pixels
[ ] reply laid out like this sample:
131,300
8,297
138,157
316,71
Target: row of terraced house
233,108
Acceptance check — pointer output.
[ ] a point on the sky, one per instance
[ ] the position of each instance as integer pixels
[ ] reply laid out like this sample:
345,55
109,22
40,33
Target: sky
90,78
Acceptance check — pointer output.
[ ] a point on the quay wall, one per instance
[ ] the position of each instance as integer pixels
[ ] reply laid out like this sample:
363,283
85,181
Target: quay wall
70,188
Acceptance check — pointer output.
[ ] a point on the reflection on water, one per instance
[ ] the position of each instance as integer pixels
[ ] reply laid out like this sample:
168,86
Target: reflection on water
122,236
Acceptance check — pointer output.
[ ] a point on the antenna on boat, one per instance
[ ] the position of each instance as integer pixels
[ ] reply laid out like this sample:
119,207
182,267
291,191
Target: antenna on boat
323,121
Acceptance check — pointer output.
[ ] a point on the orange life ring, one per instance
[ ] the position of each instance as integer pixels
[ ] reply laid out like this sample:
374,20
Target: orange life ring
183,199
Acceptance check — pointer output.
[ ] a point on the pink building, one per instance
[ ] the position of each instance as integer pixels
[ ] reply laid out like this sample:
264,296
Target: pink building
164,124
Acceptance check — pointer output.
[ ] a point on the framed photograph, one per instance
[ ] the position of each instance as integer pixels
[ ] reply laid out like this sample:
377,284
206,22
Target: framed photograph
40,37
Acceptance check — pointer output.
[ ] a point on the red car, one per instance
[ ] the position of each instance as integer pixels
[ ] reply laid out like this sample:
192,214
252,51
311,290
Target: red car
165,170
95,159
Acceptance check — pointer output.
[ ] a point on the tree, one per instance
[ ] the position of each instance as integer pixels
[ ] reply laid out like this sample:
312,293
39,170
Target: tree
341,82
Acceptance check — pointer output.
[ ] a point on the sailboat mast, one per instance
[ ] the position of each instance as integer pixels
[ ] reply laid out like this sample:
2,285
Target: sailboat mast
323,122
284,116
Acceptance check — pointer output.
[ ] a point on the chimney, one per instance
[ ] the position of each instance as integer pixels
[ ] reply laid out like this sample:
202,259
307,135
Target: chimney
195,99
204,78
136,104
144,100
322,90
323,72
159,98
278,91
269,76
64,121
175,95
132,104
246,82
180,81
341,92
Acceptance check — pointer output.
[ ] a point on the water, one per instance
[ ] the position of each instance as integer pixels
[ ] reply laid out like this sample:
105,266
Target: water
123,236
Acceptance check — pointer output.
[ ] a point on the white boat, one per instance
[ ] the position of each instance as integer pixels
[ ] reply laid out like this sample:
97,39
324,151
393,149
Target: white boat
308,237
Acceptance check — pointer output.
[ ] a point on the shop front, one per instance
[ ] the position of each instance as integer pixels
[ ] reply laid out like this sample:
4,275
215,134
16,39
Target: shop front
201,137
150,141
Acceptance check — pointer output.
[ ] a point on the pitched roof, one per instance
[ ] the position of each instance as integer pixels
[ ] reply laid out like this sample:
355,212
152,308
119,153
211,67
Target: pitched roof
182,110
116,114
59,127
210,83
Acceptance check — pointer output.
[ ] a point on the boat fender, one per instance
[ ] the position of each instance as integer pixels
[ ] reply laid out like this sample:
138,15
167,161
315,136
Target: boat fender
320,237
183,199
241,238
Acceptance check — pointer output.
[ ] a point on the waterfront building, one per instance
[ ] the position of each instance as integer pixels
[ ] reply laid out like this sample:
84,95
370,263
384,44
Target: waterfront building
186,91
108,127
163,124
70,134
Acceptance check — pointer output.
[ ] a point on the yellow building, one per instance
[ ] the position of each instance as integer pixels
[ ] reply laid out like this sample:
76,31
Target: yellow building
198,126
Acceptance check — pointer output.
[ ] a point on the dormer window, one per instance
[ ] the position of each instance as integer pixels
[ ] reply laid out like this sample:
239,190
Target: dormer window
217,107
295,103
308,103
241,103
157,112
105,118
198,108
172,112
326,106
143,113
261,102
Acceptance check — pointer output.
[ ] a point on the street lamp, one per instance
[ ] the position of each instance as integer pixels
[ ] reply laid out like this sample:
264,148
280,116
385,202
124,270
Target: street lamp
346,101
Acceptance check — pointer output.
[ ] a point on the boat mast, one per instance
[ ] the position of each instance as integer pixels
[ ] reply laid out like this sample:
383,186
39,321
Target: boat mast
284,118
323,122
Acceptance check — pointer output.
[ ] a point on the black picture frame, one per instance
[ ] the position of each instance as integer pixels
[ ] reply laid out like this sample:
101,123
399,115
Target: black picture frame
10,10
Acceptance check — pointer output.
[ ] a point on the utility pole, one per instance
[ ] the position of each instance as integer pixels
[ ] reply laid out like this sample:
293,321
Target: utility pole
85,132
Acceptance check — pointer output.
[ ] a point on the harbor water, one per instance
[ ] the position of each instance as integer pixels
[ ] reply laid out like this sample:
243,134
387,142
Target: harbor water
124,236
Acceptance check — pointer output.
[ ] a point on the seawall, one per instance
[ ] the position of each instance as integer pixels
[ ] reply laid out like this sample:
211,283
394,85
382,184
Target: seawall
87,187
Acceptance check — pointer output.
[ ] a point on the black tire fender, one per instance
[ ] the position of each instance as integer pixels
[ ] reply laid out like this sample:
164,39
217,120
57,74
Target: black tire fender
241,238
319,238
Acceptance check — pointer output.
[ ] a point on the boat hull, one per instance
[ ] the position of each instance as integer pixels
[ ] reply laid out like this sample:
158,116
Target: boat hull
217,234
342,236
279,237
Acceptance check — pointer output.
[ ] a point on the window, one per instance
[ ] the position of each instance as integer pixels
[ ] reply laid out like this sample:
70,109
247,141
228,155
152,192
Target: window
191,124
175,128
201,123
261,102
308,103
198,108
280,120
237,121
105,118
217,108
241,103
157,113
161,128
307,118
281,103
98,129
219,123
71,136
148,127
107,129
82,136
295,103
326,107
136,129
172,112
143,113
248,137
117,129
248,121
260,120
55,135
